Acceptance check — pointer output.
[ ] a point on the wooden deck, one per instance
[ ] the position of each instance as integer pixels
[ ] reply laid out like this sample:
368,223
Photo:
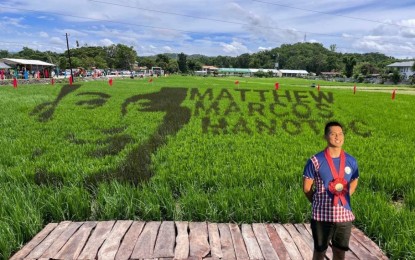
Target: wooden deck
125,239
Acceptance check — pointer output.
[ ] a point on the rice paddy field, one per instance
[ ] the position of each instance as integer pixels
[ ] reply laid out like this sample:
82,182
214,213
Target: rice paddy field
199,149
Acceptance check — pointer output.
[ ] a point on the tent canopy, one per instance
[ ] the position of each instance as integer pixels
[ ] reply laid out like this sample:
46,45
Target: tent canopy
26,62
4,66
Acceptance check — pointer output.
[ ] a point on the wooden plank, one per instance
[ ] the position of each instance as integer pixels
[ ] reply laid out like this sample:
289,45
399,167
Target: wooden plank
144,247
198,239
308,238
274,241
264,243
61,240
288,242
110,247
251,243
76,243
182,241
24,251
214,240
368,243
166,240
238,242
48,241
302,246
351,256
98,236
228,250
360,250
277,243
129,241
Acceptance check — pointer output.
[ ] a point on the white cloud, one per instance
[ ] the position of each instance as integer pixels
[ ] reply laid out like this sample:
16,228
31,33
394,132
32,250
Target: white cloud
167,49
216,28
234,48
264,48
15,22
44,34
106,42
57,41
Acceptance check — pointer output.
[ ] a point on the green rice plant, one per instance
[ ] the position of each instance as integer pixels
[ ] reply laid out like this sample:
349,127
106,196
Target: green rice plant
196,149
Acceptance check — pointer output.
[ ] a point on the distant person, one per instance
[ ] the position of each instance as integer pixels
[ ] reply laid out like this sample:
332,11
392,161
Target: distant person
334,175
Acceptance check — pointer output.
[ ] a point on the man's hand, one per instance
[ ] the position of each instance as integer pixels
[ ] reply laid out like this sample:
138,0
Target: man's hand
308,188
352,186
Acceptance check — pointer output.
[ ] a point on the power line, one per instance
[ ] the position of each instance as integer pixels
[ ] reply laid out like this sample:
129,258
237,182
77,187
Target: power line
28,44
171,13
94,19
240,23
210,19
339,15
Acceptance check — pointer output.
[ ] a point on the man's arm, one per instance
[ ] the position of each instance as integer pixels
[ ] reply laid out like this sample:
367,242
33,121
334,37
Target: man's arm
308,188
352,186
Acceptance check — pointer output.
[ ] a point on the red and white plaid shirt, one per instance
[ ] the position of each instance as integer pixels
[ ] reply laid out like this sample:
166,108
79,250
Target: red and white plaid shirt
323,209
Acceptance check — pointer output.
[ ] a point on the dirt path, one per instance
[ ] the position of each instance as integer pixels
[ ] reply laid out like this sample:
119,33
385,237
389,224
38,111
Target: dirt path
400,90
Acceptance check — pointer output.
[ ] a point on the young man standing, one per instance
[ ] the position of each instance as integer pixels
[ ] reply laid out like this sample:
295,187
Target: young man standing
334,175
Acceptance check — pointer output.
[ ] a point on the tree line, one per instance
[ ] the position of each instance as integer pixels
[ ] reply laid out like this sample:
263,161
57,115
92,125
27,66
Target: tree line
313,57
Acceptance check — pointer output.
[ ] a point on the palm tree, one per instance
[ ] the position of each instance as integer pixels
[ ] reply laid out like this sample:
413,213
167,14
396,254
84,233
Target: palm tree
349,63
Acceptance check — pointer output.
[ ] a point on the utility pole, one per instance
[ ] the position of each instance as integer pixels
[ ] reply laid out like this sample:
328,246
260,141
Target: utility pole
276,64
69,55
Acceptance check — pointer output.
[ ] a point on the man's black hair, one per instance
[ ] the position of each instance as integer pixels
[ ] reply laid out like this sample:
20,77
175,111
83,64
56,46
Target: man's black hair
330,124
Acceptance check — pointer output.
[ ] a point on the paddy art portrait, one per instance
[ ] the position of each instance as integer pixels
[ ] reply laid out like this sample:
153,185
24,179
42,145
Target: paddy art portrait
136,166
219,111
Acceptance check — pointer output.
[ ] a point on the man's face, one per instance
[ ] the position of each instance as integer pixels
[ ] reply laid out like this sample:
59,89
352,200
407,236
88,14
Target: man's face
335,137
96,134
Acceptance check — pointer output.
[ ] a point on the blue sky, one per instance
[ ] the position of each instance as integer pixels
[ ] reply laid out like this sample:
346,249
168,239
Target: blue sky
211,28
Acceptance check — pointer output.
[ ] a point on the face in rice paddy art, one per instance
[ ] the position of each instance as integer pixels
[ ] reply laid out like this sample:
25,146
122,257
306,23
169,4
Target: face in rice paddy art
111,133
135,167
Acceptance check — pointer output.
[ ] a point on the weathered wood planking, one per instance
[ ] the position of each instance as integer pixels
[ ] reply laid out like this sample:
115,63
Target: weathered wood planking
127,239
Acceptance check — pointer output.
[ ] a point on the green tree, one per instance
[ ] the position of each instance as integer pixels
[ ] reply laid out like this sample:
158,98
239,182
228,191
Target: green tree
4,54
146,62
100,62
333,62
194,65
162,58
124,57
366,68
173,66
182,62
396,77
75,62
349,63
222,61
242,61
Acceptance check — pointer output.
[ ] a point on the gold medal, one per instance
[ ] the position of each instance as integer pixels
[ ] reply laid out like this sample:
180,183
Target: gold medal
338,187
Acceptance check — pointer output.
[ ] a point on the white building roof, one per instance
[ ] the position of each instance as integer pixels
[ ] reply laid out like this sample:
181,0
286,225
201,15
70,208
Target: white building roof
4,66
294,71
25,62
401,64
264,70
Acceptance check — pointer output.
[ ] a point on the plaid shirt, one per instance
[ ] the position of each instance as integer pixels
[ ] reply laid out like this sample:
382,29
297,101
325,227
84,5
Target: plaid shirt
318,170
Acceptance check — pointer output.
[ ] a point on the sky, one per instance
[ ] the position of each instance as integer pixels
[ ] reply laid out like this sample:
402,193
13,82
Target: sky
211,28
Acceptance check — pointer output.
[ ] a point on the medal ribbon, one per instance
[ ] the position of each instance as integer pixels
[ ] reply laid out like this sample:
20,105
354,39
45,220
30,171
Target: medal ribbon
338,178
